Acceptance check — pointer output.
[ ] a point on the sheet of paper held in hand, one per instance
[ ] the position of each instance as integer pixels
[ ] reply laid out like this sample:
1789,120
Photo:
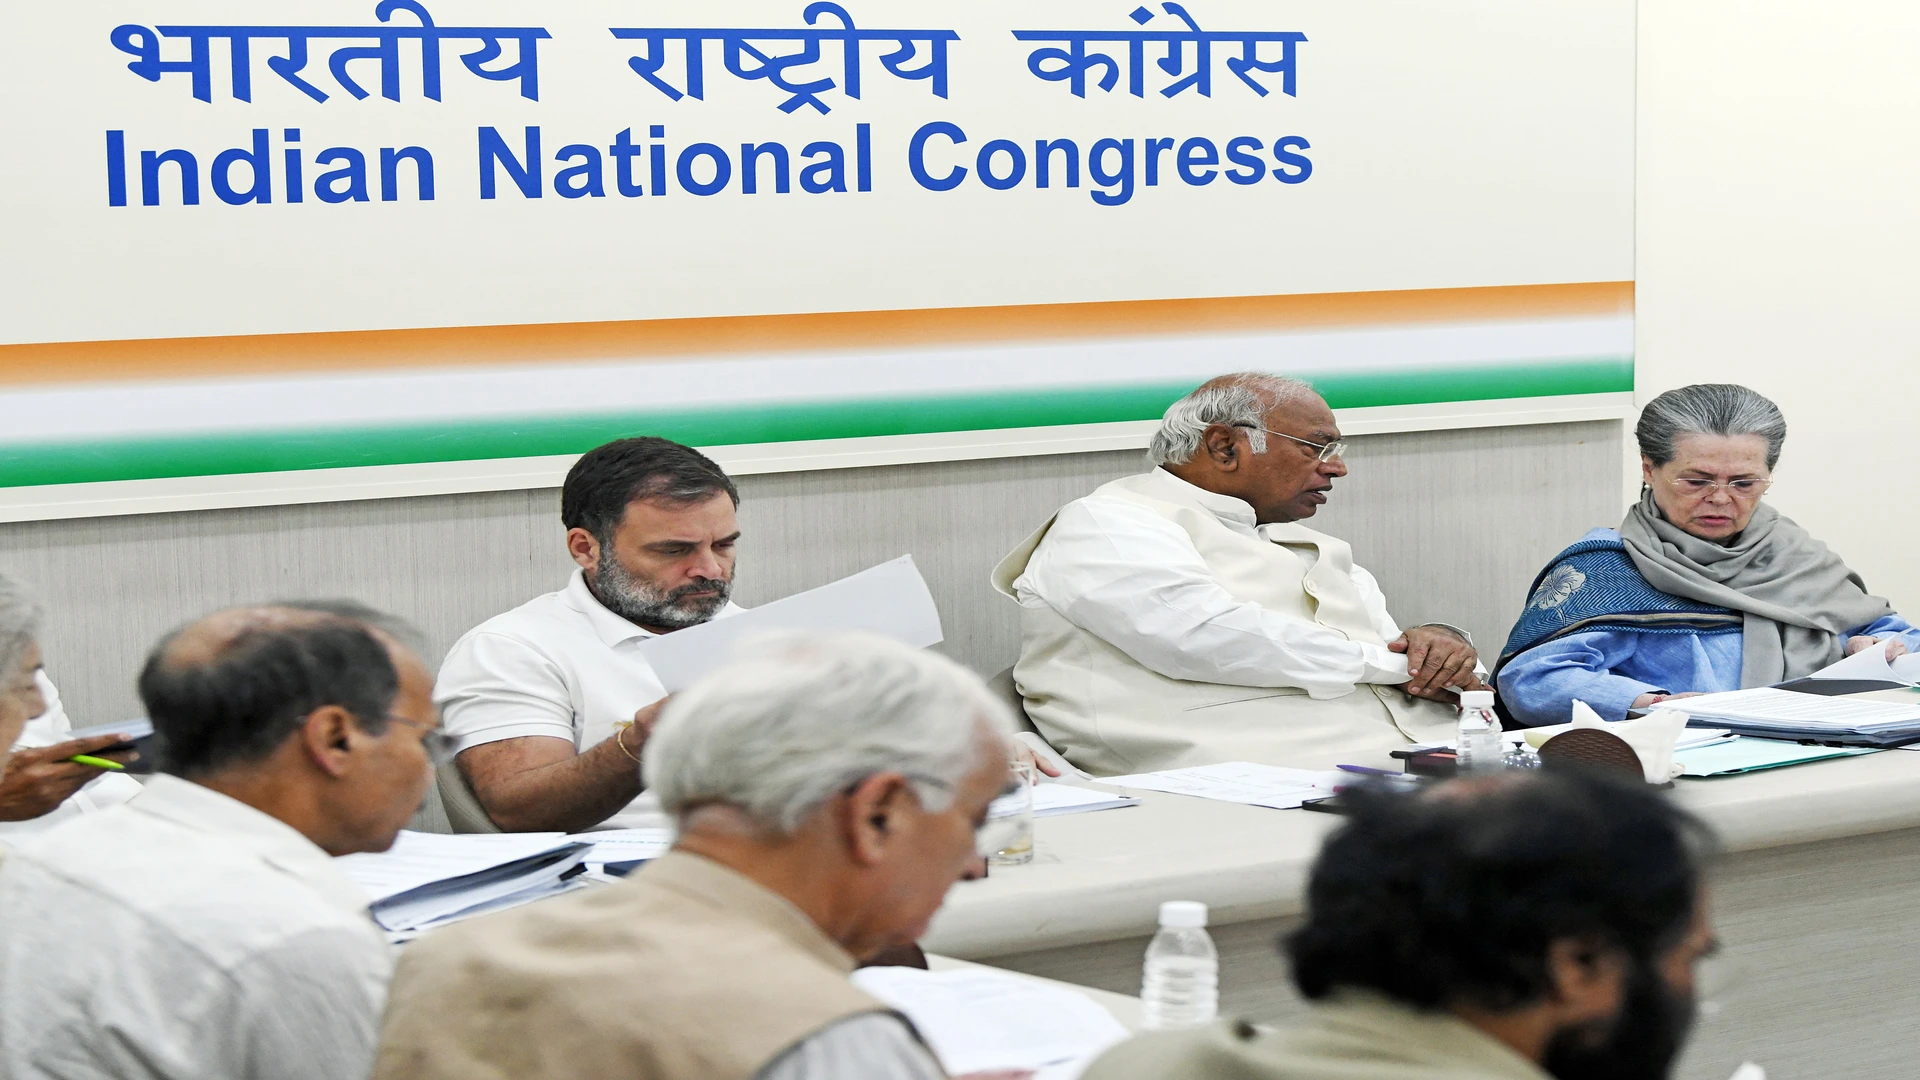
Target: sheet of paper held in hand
978,1021
1239,782
890,599
1872,665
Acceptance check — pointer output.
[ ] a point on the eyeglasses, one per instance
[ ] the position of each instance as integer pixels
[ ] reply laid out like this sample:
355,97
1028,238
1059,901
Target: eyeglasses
1699,487
439,743
1323,451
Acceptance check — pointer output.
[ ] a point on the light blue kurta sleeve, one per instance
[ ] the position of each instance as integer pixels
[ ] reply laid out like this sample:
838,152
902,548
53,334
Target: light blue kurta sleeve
1889,626
1540,685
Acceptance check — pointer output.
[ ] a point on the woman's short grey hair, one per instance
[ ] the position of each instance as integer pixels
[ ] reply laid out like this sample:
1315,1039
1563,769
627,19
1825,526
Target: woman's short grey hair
1708,409
1239,400
20,616
800,718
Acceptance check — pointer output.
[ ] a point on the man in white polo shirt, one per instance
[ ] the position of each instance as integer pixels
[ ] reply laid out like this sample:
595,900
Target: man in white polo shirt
551,702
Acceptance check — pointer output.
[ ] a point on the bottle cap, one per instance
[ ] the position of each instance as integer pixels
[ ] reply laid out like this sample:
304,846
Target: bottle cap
1476,699
1183,914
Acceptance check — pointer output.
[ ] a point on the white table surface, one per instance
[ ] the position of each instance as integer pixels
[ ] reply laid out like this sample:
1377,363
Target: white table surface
1102,876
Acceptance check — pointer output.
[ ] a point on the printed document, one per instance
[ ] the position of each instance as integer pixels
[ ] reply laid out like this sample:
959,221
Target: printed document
1053,800
891,600
1239,782
985,1021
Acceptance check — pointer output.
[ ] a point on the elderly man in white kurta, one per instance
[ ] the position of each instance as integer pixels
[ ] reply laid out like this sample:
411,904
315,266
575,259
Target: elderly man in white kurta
1186,617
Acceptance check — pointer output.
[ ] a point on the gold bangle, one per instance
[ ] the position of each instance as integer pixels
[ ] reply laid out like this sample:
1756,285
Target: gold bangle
619,733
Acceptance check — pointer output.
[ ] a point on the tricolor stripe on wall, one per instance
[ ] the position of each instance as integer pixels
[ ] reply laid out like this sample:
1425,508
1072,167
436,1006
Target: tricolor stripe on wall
115,411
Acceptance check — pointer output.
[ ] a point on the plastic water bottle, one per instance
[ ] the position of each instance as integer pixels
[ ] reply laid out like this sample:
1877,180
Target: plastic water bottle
1478,741
1181,987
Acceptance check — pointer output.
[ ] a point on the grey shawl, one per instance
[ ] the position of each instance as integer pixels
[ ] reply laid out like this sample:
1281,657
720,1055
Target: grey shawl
1799,599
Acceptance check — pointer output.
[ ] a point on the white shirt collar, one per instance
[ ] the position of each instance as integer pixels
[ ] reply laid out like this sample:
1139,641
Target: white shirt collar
1237,513
204,810
611,628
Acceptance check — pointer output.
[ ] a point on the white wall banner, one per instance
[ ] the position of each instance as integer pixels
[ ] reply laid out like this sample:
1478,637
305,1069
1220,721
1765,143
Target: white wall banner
225,218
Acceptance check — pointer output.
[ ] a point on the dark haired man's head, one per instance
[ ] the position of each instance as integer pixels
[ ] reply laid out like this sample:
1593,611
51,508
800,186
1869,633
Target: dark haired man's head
1562,913
652,525
315,718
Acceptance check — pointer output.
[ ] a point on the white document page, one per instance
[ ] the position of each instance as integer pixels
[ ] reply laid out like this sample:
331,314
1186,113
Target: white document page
625,845
981,1021
1053,800
1809,711
1865,664
417,858
891,600
1239,782
137,728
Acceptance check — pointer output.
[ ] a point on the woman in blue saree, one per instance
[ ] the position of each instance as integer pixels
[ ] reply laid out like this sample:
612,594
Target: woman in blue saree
1702,588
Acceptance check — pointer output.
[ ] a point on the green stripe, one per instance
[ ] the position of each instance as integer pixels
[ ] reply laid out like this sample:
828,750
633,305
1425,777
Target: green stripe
148,458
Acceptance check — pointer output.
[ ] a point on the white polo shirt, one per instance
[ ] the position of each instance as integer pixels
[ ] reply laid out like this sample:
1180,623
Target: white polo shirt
559,665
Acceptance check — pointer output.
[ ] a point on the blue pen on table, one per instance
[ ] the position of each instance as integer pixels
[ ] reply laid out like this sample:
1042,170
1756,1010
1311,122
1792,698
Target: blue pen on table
1366,770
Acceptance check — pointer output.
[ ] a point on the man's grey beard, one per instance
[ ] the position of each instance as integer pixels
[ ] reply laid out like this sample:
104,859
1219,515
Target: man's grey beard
671,609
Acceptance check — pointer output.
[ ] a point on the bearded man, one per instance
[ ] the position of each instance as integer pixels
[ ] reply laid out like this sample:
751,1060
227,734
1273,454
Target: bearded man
1528,926
551,702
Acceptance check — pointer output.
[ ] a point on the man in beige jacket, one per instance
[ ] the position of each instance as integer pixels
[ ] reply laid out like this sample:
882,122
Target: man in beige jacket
828,794
1185,616
1528,927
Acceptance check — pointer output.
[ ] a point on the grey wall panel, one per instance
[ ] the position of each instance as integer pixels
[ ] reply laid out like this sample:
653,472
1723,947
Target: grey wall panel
1453,523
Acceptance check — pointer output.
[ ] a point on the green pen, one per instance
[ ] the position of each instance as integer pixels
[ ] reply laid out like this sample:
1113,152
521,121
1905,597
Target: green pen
97,762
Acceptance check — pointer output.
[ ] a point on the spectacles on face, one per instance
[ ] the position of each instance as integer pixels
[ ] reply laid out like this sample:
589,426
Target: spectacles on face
439,743
1324,452
1699,487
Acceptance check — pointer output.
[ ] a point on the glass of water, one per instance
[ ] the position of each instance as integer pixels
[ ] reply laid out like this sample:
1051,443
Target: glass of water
1006,839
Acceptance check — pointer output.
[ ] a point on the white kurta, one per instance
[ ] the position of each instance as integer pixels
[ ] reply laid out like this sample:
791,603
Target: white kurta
1152,598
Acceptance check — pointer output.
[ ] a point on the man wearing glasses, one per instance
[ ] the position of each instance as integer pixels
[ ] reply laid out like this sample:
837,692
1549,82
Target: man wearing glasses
203,929
1186,617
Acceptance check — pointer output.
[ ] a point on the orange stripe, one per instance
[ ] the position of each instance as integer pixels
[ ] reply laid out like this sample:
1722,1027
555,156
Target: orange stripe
576,342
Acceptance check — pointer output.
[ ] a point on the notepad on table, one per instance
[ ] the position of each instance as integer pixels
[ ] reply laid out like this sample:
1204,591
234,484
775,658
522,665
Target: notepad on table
1239,782
988,1021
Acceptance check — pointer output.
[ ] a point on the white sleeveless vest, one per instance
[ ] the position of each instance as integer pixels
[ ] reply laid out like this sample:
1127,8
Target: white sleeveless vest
1109,715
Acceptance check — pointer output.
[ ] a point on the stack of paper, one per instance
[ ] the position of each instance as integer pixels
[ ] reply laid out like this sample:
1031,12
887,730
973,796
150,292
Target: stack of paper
1239,782
985,1021
1053,800
1770,712
427,880
624,848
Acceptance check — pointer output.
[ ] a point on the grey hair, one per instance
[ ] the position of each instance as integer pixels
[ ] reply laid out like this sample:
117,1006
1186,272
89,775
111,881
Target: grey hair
20,617
1238,400
801,717
1708,409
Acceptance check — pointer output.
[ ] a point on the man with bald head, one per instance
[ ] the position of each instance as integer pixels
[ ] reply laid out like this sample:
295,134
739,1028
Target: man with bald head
202,930
1185,616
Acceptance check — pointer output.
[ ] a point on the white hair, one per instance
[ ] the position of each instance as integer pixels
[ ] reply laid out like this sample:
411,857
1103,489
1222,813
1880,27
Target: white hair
1709,409
803,717
1239,400
20,617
